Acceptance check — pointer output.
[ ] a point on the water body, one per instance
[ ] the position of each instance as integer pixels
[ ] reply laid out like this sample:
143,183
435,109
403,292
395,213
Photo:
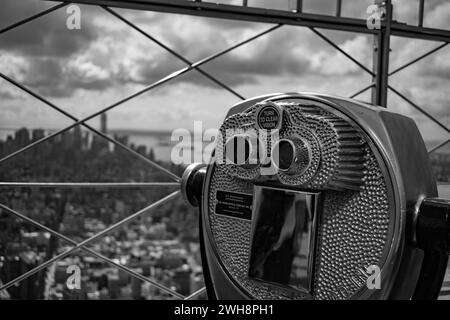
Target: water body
163,146
159,142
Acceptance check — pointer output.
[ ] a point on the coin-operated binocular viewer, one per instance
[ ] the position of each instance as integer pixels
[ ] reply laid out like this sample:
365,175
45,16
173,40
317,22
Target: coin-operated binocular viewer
317,197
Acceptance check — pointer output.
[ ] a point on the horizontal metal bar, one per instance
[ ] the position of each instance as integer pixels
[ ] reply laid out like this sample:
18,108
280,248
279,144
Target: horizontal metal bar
33,17
195,294
342,51
88,184
362,90
101,134
148,88
418,58
438,146
89,240
236,12
420,109
415,32
92,252
233,12
173,52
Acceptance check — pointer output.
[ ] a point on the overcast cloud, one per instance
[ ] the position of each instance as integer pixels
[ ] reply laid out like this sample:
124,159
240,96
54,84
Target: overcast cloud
88,69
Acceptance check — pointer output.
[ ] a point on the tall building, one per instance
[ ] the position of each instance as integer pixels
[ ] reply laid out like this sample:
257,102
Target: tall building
9,145
37,134
182,280
77,138
22,137
123,140
103,123
67,140
142,149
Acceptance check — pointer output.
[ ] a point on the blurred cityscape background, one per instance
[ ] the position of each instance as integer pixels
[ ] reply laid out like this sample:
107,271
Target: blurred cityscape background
162,245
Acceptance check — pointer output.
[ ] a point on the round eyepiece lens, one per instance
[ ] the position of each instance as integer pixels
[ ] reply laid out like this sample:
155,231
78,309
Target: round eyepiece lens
237,150
286,154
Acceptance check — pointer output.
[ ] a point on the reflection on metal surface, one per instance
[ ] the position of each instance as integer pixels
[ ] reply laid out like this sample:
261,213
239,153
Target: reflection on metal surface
283,237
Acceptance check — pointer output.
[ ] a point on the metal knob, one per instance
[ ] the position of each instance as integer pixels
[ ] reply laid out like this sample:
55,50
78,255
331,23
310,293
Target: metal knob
192,183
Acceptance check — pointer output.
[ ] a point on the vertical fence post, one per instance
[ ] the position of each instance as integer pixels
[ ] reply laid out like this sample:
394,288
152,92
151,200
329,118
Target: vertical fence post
299,5
338,8
421,7
381,56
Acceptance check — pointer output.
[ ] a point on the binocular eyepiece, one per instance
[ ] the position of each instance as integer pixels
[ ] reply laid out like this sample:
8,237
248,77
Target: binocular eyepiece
311,196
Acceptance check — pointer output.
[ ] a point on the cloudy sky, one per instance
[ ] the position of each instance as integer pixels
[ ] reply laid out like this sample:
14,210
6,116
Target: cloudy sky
85,70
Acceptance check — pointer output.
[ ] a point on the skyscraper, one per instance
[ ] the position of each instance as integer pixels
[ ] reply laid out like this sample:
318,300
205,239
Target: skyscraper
22,137
103,123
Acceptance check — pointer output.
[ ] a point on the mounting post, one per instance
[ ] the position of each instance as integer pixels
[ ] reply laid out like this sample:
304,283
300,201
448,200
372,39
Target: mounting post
381,51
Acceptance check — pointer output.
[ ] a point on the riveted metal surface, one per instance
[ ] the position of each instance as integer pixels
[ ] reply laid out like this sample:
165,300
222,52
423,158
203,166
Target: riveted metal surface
353,234
353,228
241,123
232,238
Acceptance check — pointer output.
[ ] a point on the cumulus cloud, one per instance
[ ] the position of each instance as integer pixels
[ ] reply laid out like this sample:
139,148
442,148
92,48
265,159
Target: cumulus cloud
271,55
107,59
54,77
106,52
336,63
45,36
438,14
38,54
437,66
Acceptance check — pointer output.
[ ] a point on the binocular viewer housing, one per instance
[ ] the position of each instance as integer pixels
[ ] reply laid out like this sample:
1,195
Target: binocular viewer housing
312,196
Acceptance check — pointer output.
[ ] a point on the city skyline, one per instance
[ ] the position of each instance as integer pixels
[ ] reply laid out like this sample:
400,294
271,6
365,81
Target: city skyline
162,246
